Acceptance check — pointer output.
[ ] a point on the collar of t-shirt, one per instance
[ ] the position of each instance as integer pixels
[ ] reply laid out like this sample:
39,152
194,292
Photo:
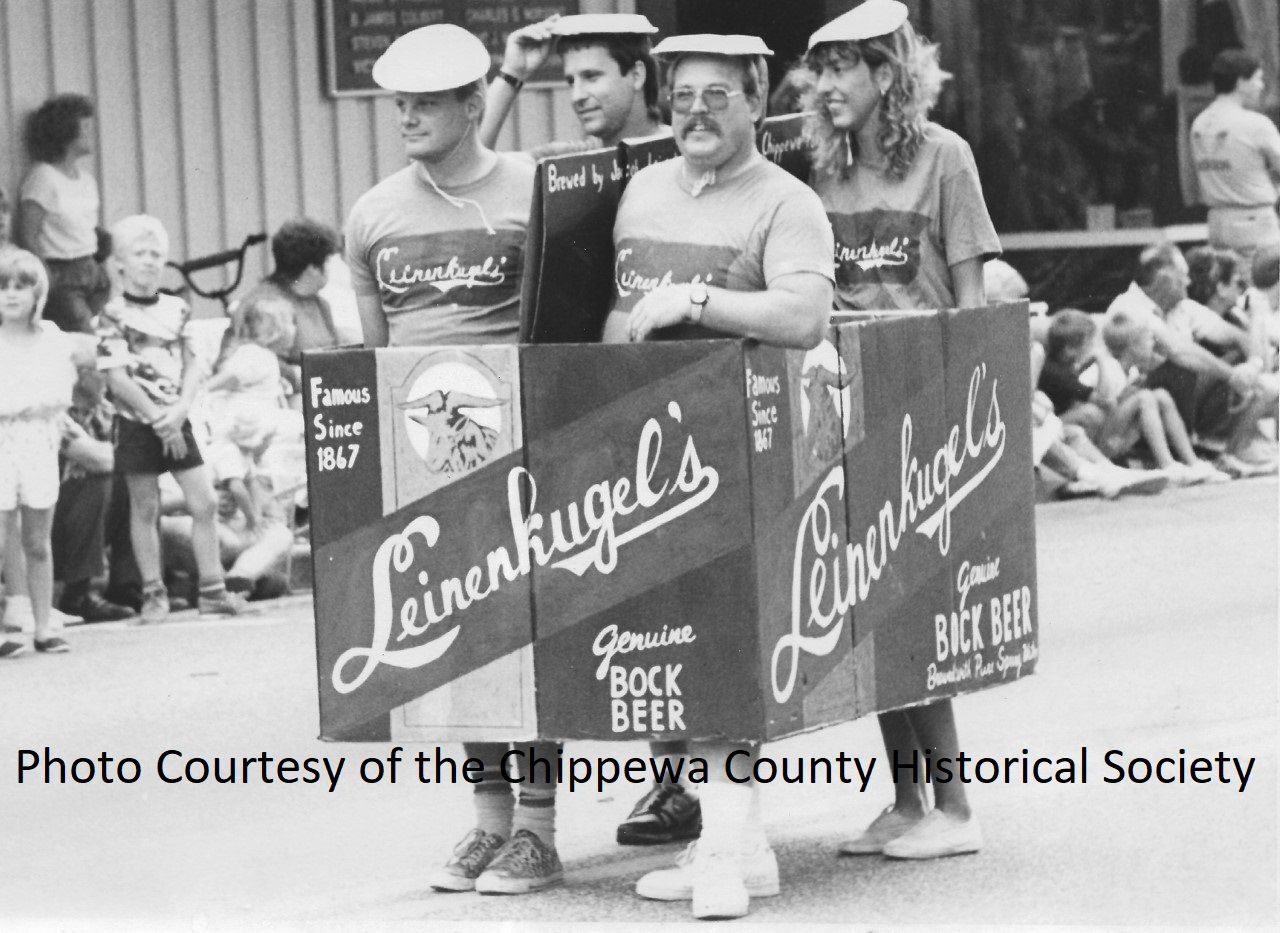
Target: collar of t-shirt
696,184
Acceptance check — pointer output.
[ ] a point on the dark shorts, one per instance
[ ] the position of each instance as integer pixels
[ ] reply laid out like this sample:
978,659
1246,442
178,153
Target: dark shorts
138,450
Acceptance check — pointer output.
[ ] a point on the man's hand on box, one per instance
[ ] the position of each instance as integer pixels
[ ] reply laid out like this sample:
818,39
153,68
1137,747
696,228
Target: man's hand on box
662,307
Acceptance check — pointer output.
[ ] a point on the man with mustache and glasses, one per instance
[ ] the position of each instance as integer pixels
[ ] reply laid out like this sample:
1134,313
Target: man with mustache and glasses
608,64
720,242
436,249
435,252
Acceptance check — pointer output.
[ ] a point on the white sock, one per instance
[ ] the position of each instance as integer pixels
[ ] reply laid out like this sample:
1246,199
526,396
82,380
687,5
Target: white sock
494,812
725,809
536,812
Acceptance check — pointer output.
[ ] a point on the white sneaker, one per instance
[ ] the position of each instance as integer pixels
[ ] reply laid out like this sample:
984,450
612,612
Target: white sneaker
18,615
758,868
719,892
937,835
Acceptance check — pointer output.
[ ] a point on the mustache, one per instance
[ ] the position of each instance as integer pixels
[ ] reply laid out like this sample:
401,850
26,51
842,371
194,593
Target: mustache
696,123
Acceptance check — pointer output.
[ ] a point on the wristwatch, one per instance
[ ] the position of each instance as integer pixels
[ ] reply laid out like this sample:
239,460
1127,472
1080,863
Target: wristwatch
511,79
698,299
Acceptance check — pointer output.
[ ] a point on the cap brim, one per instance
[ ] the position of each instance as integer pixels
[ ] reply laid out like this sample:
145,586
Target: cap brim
711,44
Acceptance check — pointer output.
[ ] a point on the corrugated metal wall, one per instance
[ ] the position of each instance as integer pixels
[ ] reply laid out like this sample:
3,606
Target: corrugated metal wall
212,113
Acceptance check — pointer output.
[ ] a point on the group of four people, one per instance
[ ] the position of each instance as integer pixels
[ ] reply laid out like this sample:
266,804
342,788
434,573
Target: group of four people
894,219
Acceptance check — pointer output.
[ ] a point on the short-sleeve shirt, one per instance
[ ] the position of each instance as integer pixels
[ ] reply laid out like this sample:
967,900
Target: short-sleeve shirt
740,233
1236,153
897,240
303,323
71,207
147,341
1063,386
445,270
36,379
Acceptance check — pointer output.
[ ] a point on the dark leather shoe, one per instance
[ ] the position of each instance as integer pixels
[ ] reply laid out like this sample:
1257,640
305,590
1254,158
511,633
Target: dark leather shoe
93,608
666,814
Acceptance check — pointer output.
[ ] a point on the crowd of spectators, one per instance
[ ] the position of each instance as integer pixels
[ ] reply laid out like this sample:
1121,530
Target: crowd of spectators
149,461
1175,385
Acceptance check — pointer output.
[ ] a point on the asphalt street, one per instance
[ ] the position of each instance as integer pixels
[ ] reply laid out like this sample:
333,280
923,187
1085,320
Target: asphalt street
1158,633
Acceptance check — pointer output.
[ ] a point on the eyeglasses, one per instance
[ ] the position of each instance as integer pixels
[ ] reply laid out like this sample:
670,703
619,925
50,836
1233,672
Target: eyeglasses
716,99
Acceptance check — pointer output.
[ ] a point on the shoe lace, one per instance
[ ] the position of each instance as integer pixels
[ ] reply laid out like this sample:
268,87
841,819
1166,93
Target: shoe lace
653,800
524,851
473,848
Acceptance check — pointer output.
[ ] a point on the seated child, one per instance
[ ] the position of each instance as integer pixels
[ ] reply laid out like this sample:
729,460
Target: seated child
246,394
1132,411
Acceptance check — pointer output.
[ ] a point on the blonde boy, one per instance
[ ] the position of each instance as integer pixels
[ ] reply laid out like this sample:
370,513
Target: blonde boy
147,352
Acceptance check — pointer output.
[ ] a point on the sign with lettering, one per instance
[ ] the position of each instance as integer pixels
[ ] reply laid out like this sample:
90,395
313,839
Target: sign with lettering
358,31
673,540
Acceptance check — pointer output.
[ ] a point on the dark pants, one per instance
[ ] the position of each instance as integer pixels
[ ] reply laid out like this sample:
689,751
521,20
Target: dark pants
79,527
1203,402
124,581
78,290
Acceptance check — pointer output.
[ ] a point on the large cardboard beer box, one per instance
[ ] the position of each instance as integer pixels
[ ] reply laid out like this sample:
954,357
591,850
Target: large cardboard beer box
568,540
670,540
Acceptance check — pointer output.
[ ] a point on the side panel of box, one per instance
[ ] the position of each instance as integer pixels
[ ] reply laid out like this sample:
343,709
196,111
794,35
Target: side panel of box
798,415
419,619
645,604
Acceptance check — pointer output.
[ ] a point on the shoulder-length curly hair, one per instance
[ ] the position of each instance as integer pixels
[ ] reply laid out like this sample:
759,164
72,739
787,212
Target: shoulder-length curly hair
904,108
55,125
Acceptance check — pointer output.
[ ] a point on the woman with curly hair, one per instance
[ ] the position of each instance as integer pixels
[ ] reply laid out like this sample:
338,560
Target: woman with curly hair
59,210
912,231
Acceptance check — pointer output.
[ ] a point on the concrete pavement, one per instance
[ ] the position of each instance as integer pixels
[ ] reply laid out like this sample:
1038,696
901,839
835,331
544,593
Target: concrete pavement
1158,633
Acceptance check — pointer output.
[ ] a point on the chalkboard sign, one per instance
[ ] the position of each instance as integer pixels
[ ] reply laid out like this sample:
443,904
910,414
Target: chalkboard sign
358,31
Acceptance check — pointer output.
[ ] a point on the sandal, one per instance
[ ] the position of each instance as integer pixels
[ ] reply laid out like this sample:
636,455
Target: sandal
54,645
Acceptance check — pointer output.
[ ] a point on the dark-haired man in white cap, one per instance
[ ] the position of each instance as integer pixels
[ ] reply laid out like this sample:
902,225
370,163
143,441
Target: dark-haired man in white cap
613,83
436,249
720,242
435,253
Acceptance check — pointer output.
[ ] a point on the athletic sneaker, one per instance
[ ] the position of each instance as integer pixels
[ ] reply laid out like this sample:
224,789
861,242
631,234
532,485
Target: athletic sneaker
524,864
758,868
470,857
886,827
225,604
938,834
667,813
719,892
155,607
12,649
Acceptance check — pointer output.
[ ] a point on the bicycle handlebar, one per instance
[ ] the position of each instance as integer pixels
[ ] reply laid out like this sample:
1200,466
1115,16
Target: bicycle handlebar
212,261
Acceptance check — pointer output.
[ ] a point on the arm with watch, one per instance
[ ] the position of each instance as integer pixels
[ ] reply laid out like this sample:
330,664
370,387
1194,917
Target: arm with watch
526,50
792,312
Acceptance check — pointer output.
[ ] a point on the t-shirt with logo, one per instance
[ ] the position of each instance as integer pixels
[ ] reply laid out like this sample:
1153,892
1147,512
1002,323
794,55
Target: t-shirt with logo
445,271
897,240
739,233
1236,153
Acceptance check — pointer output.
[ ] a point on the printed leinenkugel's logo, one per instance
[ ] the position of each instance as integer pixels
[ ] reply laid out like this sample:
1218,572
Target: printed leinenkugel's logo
878,246
830,577
399,277
577,537
470,267
641,266
454,415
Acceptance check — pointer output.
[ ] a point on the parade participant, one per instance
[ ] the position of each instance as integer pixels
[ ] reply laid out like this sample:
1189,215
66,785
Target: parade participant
1188,370
436,249
1236,153
747,252
147,351
37,371
58,210
912,231
435,253
613,83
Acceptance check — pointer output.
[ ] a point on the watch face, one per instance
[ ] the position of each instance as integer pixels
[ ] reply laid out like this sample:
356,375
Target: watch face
698,293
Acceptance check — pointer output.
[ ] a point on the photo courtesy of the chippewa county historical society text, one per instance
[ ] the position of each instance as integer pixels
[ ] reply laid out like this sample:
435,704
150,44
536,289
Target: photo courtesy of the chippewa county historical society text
538,464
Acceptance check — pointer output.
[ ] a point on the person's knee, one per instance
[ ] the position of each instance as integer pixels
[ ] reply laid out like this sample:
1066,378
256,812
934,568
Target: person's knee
35,543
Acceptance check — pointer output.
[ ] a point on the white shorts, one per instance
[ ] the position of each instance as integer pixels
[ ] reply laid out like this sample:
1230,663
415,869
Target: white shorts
29,463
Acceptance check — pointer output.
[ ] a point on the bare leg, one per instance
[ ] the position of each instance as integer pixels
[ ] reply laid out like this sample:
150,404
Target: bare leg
909,798
37,525
1152,424
203,506
1174,428
935,726
144,515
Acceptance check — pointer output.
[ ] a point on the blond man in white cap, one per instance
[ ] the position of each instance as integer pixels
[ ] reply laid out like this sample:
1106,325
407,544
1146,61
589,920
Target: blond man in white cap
435,253
608,65
912,231
719,242
436,249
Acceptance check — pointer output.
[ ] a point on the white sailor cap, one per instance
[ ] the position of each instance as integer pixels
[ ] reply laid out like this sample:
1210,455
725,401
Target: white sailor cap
866,21
710,44
603,24
440,57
